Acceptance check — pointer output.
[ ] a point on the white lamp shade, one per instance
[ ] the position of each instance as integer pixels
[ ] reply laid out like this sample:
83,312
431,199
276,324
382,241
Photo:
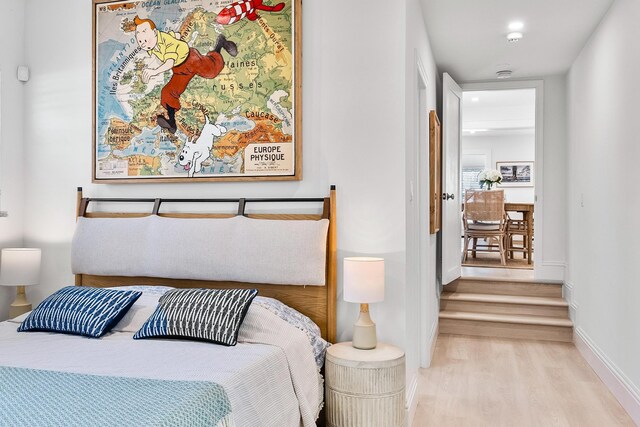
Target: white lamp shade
20,266
363,280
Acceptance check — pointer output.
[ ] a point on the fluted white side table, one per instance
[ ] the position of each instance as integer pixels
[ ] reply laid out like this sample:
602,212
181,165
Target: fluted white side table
365,388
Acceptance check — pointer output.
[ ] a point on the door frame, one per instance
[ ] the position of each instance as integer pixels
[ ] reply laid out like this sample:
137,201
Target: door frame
422,209
538,256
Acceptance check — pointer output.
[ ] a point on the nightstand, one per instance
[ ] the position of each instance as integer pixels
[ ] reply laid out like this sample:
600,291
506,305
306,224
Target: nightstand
365,388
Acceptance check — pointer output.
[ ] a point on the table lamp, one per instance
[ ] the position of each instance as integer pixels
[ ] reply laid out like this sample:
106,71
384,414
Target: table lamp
364,284
20,267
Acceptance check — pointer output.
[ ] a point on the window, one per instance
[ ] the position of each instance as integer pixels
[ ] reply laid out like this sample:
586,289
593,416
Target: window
470,178
472,165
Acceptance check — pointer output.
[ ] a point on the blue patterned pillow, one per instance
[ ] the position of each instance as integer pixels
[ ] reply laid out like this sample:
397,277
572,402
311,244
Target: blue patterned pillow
205,314
91,312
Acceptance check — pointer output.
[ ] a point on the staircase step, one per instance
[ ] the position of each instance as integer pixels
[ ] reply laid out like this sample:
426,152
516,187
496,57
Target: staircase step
504,304
506,326
481,285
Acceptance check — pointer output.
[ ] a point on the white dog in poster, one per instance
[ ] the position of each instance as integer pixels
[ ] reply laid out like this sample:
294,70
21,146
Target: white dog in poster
194,153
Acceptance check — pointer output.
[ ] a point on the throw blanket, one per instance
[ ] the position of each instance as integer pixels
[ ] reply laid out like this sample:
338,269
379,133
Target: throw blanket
31,397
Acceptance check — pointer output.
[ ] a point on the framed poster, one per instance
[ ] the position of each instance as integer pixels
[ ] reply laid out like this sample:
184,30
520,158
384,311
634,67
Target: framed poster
197,90
516,174
435,173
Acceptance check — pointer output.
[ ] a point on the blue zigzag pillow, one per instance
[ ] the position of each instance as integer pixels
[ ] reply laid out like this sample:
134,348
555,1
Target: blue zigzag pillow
202,314
77,310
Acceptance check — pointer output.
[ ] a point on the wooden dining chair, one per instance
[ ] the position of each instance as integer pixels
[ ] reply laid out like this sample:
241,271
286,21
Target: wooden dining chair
484,217
517,227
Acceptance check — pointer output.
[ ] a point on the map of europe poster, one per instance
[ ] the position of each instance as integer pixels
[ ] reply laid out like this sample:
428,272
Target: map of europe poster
189,90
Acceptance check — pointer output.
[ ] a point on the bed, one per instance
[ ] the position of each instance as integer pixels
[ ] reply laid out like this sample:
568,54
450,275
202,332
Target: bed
270,378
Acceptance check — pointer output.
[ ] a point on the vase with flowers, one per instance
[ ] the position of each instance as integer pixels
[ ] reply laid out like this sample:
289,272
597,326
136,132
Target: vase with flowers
489,177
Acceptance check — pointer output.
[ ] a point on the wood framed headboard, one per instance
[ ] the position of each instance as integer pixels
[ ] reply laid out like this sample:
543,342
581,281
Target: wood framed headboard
316,302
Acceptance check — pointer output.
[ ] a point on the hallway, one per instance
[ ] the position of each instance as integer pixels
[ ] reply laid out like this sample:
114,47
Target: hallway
476,381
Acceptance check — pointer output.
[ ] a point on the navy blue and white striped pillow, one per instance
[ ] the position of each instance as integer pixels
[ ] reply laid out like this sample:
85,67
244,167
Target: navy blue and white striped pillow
91,312
205,314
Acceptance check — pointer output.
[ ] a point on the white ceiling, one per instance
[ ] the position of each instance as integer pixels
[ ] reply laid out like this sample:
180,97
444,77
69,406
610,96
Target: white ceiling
468,37
499,112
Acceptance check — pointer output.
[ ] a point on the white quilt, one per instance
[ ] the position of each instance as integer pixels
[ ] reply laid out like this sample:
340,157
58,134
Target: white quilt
270,377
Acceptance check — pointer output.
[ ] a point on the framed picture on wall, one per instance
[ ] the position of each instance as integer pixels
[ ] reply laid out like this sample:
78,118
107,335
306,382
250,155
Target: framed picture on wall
516,174
435,173
197,90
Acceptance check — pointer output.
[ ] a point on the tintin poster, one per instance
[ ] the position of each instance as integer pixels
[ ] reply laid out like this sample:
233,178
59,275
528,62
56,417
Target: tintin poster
189,90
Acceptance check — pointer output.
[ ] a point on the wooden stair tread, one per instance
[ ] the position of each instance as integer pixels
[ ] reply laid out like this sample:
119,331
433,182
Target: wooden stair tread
509,280
507,318
505,287
504,299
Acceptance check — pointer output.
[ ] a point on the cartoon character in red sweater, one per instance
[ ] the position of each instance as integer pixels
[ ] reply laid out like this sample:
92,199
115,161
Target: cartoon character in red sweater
185,63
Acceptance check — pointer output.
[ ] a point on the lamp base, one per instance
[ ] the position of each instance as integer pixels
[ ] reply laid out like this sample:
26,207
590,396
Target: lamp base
364,330
20,305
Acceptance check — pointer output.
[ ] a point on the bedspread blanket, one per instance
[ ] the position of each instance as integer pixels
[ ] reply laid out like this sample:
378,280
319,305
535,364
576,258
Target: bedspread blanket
34,397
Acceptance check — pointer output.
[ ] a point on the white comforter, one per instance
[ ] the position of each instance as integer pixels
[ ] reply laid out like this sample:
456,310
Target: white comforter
270,377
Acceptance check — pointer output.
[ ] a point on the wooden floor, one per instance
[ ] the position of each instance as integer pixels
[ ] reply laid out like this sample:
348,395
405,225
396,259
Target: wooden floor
476,381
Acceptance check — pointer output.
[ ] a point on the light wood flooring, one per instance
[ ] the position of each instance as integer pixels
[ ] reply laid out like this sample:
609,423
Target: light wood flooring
477,381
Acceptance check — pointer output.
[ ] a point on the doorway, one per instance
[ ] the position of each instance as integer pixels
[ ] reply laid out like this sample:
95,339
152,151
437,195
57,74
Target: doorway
501,136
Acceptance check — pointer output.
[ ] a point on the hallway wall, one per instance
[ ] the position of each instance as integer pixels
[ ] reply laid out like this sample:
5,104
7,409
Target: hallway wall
501,147
421,297
603,204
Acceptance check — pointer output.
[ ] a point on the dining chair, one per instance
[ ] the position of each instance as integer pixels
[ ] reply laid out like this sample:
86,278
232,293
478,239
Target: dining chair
517,227
484,217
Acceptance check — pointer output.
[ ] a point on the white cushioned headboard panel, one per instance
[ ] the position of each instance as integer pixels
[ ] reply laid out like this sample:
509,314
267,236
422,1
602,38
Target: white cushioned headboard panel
235,249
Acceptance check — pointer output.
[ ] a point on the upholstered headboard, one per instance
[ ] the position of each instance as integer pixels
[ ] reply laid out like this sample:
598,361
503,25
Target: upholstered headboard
288,256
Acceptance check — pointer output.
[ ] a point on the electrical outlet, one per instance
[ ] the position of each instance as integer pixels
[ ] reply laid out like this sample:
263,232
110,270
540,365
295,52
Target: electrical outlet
582,200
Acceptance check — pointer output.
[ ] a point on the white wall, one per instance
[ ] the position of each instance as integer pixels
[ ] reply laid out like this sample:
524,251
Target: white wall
12,165
421,298
499,148
553,261
602,202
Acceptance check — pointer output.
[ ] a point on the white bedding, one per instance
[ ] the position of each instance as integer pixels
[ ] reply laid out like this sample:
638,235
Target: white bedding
270,377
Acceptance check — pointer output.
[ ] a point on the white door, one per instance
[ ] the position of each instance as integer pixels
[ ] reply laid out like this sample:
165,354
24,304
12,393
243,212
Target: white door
451,197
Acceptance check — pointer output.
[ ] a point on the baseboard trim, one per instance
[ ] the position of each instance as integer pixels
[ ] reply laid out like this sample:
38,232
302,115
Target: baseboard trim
622,388
573,313
412,400
567,292
554,263
550,271
434,338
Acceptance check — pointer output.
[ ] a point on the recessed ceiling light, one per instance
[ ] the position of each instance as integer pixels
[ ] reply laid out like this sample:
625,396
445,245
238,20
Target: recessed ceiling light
516,26
475,99
514,37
